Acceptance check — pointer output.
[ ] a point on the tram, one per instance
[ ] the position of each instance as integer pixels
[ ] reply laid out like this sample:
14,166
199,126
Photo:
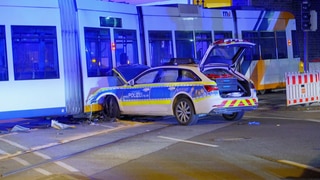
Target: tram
53,53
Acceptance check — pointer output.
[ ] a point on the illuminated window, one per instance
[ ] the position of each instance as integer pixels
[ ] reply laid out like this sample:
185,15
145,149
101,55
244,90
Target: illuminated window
98,51
203,40
3,56
126,46
273,45
160,47
185,44
35,53
219,35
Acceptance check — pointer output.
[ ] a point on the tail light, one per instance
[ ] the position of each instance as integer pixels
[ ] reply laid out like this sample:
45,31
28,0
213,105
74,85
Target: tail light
251,85
210,88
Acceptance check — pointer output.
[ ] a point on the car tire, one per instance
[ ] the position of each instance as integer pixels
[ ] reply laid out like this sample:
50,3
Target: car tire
184,112
234,116
111,109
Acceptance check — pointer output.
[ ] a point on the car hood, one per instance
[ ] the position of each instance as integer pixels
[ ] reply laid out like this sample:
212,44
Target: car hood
129,71
225,52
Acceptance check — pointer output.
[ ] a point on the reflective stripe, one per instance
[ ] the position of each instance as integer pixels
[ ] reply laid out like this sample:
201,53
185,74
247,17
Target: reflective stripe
145,102
238,103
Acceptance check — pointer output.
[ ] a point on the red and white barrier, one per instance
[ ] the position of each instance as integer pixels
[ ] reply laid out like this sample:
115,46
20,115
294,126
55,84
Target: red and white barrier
302,88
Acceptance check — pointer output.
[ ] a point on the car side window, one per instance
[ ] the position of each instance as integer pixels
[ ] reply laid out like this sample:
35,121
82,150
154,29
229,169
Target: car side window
147,78
168,75
187,75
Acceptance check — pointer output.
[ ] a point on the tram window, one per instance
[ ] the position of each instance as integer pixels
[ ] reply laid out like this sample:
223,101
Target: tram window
252,36
281,44
219,35
3,56
98,51
295,44
35,54
184,44
203,40
268,45
160,47
126,46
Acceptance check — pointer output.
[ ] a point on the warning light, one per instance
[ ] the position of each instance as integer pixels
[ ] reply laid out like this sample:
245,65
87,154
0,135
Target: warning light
289,42
93,60
113,46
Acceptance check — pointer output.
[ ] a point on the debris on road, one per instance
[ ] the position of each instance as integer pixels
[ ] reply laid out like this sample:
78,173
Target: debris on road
57,125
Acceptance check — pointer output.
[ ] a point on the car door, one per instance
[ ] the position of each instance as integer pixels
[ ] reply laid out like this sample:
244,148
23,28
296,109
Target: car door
136,96
163,91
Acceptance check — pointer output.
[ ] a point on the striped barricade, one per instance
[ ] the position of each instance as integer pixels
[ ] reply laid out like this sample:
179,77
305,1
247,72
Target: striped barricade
302,88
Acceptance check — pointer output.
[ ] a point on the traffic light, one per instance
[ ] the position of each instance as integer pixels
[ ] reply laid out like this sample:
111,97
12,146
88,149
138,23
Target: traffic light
305,16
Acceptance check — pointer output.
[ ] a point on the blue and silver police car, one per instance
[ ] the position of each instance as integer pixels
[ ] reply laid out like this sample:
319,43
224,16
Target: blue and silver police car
181,88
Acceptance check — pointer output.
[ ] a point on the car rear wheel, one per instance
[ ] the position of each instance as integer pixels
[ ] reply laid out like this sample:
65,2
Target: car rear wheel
184,112
234,116
111,108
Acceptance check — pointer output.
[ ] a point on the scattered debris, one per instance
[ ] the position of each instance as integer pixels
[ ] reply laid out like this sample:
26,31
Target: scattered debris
254,123
57,125
18,128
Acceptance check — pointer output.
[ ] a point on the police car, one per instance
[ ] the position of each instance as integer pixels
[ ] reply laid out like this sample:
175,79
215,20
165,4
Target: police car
182,88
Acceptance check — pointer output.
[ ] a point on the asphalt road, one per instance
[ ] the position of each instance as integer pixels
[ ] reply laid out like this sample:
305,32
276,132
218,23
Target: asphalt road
274,142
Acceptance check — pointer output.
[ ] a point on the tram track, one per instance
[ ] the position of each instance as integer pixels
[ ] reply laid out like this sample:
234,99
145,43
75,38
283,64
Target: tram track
67,142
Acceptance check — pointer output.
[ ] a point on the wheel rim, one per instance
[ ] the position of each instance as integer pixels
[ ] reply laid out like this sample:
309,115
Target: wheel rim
183,112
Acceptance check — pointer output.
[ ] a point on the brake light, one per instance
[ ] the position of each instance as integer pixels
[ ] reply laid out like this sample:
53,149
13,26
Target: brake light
210,88
252,85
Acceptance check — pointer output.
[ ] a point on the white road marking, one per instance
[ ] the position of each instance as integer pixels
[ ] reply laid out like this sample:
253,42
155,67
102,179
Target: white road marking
286,118
42,171
21,161
14,144
3,152
186,141
44,156
304,166
10,155
66,166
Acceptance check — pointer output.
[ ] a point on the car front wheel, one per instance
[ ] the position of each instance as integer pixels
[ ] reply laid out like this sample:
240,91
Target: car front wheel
184,112
111,108
234,116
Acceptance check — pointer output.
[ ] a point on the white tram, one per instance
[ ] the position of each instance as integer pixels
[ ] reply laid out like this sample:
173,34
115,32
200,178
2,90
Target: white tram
53,53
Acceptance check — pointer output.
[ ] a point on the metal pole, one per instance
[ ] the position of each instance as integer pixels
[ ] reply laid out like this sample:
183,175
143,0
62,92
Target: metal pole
305,54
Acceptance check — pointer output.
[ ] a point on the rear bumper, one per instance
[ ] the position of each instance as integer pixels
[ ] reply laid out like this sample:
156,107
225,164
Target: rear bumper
229,110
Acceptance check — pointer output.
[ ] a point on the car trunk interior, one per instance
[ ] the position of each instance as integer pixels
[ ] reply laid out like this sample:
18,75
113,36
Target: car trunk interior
229,85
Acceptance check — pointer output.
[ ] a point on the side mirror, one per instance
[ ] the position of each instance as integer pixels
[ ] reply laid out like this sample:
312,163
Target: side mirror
131,82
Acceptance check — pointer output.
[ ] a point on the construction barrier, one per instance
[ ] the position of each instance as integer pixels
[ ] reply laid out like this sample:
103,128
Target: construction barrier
302,88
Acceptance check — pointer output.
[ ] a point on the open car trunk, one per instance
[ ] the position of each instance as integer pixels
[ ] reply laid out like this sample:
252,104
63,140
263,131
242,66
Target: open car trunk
230,84
220,64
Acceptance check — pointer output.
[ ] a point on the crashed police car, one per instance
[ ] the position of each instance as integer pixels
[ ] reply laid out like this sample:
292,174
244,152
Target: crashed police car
181,88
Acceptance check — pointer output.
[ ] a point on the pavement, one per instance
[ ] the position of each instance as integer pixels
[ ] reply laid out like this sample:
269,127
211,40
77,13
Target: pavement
270,101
